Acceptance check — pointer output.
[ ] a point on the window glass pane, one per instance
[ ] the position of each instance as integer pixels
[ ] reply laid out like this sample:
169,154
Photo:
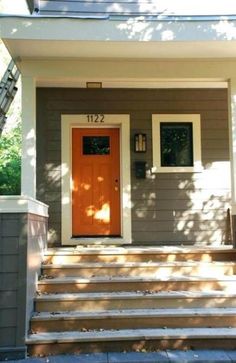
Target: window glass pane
176,144
96,145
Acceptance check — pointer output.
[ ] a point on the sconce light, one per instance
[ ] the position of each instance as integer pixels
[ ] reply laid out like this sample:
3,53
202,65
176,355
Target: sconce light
140,143
93,84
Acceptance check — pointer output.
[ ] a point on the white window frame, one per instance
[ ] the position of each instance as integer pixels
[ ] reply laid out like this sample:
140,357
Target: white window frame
195,119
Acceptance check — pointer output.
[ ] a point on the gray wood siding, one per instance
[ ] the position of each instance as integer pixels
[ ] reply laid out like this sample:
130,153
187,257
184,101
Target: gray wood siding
167,208
22,238
12,291
108,7
151,8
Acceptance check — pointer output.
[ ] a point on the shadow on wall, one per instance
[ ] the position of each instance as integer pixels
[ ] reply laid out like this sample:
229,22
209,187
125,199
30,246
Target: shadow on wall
183,208
167,208
49,191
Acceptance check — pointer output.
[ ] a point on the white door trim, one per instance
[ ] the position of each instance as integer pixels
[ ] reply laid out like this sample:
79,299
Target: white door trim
67,123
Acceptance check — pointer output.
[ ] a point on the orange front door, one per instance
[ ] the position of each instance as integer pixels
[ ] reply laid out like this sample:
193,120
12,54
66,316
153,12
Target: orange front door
96,182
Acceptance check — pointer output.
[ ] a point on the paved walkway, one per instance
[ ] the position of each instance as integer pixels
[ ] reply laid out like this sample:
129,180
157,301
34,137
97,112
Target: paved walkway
175,356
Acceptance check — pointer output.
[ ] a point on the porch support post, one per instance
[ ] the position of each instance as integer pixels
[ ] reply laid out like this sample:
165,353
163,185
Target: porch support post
28,168
232,130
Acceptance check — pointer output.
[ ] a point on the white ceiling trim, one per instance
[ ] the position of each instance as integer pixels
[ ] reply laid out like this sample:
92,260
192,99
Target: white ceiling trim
144,83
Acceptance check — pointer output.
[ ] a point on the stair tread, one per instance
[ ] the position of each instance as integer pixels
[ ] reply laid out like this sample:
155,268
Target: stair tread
132,334
82,265
134,295
103,250
109,279
135,313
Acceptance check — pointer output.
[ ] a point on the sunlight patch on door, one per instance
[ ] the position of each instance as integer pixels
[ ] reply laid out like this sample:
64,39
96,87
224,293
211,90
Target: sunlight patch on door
85,186
90,211
103,214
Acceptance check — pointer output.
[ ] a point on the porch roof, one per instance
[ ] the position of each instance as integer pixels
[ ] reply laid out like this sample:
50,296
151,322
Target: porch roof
134,38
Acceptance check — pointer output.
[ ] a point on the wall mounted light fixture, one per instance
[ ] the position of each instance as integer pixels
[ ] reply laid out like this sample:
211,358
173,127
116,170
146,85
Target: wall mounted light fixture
140,143
93,84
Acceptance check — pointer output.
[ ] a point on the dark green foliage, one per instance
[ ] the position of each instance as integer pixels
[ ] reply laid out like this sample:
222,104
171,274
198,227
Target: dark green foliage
10,162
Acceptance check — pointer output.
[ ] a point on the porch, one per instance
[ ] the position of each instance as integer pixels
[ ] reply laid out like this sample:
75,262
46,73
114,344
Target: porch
183,207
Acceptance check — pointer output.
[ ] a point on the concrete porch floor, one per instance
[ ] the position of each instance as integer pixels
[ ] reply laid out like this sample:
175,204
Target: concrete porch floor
169,356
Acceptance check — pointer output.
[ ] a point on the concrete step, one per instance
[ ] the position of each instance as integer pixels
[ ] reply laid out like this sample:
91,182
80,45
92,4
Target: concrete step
133,300
133,319
139,254
144,269
126,283
130,339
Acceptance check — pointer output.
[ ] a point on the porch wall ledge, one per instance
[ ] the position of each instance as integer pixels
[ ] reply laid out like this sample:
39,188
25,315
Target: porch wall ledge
22,204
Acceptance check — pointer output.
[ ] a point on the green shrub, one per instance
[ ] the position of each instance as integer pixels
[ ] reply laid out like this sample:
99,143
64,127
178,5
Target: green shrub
10,162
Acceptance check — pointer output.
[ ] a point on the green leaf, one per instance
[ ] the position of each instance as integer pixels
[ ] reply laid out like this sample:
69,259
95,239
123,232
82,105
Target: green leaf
10,162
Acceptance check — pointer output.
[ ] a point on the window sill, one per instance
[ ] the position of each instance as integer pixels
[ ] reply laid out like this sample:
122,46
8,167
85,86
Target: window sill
177,169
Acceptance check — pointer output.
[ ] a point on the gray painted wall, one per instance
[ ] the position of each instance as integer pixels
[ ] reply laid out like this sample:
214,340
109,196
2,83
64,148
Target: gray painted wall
22,238
172,208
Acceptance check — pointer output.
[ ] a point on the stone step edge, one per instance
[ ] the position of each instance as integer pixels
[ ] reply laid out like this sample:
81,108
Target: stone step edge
131,334
134,295
127,279
135,250
91,265
135,313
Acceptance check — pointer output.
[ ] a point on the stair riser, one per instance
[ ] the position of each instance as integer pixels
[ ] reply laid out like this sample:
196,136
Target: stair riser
135,345
155,257
163,271
228,286
133,323
98,305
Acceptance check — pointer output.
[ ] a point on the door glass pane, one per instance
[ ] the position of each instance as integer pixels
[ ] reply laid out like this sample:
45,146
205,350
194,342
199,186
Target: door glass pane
96,145
176,144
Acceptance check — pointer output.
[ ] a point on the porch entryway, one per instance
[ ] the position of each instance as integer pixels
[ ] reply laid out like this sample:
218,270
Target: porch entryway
95,178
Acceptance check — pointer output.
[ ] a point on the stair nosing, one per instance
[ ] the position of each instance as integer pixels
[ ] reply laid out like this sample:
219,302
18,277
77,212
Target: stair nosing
134,295
113,279
135,264
132,334
137,250
135,313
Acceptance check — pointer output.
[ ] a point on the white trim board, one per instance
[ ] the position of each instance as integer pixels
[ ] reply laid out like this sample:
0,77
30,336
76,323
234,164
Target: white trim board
67,123
132,83
22,204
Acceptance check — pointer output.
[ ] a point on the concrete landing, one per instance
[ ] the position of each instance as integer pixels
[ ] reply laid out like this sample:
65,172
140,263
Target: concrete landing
169,356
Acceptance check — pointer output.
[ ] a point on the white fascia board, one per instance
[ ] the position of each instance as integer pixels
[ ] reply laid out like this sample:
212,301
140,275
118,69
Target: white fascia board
128,30
22,204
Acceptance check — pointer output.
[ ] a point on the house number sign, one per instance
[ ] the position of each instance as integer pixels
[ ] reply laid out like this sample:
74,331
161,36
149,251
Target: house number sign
96,118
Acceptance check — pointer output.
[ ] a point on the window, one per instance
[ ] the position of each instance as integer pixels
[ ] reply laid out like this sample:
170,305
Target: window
96,145
176,143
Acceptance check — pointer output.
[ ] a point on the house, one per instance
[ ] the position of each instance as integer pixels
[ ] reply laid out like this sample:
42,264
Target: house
129,117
